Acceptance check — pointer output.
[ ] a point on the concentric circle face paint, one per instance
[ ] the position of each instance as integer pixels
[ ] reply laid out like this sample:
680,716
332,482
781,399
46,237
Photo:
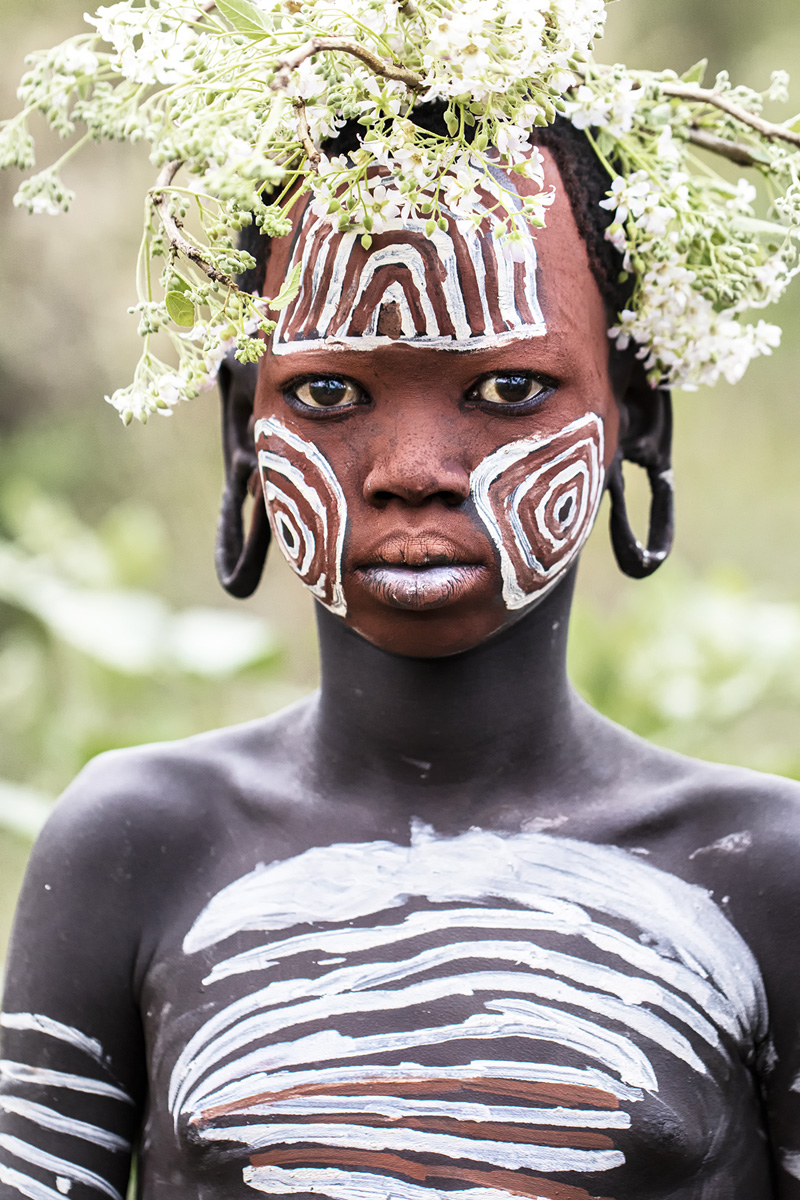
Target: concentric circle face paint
538,498
455,289
306,508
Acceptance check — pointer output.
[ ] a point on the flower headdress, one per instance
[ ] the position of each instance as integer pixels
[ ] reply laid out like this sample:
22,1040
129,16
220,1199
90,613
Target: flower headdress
238,98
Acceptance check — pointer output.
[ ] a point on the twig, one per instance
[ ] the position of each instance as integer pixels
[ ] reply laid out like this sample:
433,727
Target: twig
312,153
174,229
209,5
684,91
735,151
292,61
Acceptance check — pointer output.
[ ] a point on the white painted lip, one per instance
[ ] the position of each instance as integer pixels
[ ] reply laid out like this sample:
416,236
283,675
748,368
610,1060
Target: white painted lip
421,587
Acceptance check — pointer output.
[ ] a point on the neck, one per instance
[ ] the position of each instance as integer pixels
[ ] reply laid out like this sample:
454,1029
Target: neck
474,721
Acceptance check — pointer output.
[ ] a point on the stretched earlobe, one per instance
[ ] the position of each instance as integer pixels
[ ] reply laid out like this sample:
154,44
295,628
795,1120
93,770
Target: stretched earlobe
239,560
647,441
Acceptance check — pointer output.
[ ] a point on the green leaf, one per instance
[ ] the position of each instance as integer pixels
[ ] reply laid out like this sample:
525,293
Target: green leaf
244,17
180,308
695,74
289,290
794,125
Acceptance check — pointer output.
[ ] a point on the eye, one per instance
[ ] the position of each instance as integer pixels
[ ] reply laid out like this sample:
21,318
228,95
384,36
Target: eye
508,387
326,391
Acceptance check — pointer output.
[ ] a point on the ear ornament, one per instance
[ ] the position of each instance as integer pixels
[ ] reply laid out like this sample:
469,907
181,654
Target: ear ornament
239,560
632,557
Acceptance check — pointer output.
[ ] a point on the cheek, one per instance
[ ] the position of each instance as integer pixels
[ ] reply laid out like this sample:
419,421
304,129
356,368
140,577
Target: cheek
538,499
306,508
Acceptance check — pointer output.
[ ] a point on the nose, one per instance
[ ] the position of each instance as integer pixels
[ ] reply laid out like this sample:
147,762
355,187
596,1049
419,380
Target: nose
417,466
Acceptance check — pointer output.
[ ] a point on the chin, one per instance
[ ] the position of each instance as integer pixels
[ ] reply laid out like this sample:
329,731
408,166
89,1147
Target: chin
437,634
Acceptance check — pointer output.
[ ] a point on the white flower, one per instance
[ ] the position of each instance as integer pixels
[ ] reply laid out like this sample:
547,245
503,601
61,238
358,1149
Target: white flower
587,110
460,189
512,142
383,206
622,107
779,87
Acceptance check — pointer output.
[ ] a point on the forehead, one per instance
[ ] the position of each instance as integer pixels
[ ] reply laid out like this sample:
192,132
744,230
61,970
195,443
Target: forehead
458,288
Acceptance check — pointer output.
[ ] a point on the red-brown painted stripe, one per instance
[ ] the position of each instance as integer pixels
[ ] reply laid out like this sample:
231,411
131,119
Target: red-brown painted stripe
378,1162
568,1095
490,1131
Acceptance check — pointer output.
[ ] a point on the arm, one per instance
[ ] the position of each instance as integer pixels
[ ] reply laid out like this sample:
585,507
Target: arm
72,1073
763,884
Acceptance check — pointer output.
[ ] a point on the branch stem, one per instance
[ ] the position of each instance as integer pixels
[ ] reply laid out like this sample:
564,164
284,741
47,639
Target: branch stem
737,152
304,132
174,229
699,95
344,46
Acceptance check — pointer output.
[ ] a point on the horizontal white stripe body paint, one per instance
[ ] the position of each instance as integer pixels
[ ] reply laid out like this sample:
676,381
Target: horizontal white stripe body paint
22,1073
27,1186
393,1106
36,1023
355,1185
60,1166
466,984
341,883
587,438
298,1059
558,918
324,256
275,1082
630,989
615,1050
48,1118
272,465
507,1155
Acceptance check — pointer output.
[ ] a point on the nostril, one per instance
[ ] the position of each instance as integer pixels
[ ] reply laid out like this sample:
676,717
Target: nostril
381,497
449,486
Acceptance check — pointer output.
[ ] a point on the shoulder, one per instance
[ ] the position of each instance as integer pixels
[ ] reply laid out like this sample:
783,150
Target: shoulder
738,836
734,810
150,808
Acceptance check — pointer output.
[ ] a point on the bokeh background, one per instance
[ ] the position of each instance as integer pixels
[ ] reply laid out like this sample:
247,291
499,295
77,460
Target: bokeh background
113,629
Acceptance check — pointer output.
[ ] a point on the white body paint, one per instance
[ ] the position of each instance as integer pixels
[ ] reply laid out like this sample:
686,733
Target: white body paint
325,258
45,1120
578,482
790,1161
55,1029
731,843
511,915
297,540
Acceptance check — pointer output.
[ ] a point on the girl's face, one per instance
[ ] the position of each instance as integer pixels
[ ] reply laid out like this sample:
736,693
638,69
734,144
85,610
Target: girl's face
434,421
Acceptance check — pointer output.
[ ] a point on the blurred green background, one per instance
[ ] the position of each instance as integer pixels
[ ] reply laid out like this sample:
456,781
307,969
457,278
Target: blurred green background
113,629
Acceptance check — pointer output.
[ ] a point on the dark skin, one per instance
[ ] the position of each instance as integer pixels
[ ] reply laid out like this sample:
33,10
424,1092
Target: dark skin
458,716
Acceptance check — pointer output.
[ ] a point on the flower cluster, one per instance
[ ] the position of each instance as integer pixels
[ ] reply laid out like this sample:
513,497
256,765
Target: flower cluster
238,100
698,254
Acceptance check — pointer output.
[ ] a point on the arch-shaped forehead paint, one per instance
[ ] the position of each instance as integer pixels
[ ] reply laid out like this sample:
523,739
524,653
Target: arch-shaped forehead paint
456,289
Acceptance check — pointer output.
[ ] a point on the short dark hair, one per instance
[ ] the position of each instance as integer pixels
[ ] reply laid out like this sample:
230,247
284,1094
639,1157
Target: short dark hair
584,177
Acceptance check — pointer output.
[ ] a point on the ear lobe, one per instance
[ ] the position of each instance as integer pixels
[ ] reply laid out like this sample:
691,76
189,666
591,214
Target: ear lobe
645,438
645,435
239,562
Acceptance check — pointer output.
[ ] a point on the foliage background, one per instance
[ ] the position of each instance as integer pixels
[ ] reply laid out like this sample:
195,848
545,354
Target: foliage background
113,629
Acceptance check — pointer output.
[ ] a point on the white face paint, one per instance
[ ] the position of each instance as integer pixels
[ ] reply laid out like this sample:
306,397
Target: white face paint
538,498
43,1120
306,507
469,1024
454,289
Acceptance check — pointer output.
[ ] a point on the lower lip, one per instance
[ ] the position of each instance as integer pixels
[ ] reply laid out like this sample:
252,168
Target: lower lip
420,588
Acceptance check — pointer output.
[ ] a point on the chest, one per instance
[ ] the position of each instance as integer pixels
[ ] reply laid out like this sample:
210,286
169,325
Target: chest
474,1017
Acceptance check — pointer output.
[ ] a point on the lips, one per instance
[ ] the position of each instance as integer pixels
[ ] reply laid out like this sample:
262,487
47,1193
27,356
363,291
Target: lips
420,573
418,588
